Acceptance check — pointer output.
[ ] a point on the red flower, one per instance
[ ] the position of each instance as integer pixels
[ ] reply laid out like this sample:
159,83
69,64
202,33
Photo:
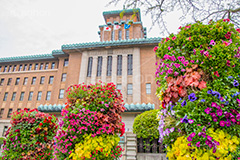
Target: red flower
45,138
238,29
228,35
122,129
40,124
216,73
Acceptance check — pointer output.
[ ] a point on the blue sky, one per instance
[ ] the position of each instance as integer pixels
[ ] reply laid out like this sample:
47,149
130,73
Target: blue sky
39,26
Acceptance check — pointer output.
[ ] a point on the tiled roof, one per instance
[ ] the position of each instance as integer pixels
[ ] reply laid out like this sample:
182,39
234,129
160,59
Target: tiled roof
27,58
129,107
119,11
112,43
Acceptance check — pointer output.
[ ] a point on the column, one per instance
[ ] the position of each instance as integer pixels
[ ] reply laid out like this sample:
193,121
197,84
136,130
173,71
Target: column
114,69
94,70
83,68
124,76
136,76
104,68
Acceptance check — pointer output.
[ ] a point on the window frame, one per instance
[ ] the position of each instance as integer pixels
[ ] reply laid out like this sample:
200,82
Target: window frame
148,90
21,98
42,79
61,94
14,94
129,89
109,66
89,69
48,96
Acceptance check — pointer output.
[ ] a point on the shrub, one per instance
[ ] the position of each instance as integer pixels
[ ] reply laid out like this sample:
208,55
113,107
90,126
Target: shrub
145,125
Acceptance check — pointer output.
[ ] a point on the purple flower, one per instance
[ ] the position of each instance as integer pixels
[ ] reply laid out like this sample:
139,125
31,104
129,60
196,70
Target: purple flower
184,119
212,42
213,114
228,123
189,144
176,65
209,138
192,134
189,139
235,83
198,144
210,91
176,73
219,112
207,110
233,120
222,123
215,119
190,121
192,97
238,116
181,58
204,129
184,103
214,104
227,115
203,100
183,70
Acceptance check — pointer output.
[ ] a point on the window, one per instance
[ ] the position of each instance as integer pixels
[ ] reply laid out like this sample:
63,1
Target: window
34,80
119,65
25,81
53,65
30,95
30,67
89,71
119,86
127,34
48,96
1,81
130,64
4,130
9,81
20,67
129,89
120,35
9,113
109,66
41,66
1,112
17,81
51,80
5,96
25,67
5,69
46,66
10,68
61,94
99,66
148,88
36,66
21,96
113,35
42,80
14,96
64,76
39,96
14,68
65,62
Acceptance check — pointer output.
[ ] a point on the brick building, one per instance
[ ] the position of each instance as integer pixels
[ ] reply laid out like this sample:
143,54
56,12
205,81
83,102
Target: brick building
123,55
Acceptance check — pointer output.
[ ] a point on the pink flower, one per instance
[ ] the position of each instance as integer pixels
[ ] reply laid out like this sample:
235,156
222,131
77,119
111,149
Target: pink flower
173,38
155,48
238,29
212,42
198,144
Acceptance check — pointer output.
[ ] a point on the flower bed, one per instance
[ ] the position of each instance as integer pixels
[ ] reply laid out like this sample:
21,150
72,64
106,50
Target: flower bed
30,136
90,123
198,85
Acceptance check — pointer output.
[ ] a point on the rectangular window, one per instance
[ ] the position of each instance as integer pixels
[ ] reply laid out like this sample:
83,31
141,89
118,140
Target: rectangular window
39,96
51,80
5,69
119,86
25,67
53,65
89,71
34,80
1,81
21,96
20,68
48,96
64,77
130,64
120,35
14,96
109,66
9,81
41,66
25,81
148,88
42,80
30,67
10,68
4,130
99,66
113,35
46,66
127,34
129,89
65,62
36,66
9,113
17,81
14,68
119,65
61,93
5,96
1,112
30,95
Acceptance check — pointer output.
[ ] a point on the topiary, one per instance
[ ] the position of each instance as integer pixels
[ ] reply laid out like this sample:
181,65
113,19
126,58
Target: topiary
145,125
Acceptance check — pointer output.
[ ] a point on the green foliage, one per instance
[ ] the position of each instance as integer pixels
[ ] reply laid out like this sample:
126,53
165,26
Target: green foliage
145,125
1,140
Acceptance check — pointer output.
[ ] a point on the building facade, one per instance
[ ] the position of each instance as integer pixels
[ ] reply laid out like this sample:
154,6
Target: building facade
123,55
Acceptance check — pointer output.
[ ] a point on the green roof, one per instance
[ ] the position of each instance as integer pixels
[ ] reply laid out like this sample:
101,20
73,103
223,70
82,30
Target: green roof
119,11
155,40
27,58
129,107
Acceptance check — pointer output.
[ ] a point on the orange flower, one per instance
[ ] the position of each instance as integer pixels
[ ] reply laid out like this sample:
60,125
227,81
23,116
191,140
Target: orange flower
202,85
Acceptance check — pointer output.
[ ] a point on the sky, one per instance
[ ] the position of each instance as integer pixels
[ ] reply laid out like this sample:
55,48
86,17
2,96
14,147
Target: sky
30,27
